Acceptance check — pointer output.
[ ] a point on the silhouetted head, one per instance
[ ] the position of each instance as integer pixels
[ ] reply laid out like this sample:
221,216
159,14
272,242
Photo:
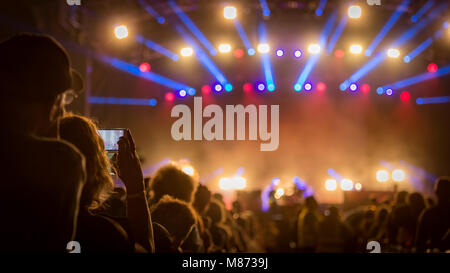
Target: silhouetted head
216,212
311,203
82,132
442,190
416,201
401,197
333,212
202,199
36,81
171,180
382,214
177,216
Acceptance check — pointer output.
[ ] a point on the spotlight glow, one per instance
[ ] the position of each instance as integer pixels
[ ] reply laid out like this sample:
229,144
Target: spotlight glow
263,48
228,87
271,87
321,87
365,88
353,87
393,53
144,67
251,51
206,89
382,176
229,12
432,67
405,96
314,48
339,53
189,170
186,51
346,184
182,93
247,87
398,175
389,92
356,49
297,53
280,53
354,12
169,97
239,53
261,87
218,87
358,186
308,86
191,91
297,87
279,193
121,32
224,48
330,185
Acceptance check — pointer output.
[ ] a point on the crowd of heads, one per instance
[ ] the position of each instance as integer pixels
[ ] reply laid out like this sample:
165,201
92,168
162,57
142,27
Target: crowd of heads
58,187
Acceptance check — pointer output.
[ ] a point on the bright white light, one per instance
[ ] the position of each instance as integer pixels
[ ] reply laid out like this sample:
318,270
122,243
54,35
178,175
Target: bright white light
314,48
263,48
382,176
279,193
356,49
346,184
354,12
225,183
224,48
188,170
393,53
358,186
398,175
330,185
121,32
239,183
229,12
186,51
233,183
275,181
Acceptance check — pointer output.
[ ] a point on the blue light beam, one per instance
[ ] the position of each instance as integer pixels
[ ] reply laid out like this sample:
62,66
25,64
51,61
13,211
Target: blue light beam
337,33
415,18
192,27
242,34
321,7
424,45
121,101
314,58
160,19
267,66
265,8
433,100
334,174
158,48
387,27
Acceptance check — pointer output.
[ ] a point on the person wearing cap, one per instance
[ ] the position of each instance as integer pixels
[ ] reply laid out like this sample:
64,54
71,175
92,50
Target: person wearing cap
42,176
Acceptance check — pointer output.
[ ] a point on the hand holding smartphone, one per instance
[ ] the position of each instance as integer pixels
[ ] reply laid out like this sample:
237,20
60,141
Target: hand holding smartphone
111,138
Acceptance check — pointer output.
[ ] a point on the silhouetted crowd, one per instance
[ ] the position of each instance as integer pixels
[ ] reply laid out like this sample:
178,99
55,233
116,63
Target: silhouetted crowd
58,187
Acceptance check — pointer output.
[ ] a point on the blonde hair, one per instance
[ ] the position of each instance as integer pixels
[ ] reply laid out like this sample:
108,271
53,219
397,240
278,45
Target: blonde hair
82,132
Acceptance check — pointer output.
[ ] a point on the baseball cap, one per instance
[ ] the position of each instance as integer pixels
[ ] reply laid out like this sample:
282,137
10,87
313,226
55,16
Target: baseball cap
35,67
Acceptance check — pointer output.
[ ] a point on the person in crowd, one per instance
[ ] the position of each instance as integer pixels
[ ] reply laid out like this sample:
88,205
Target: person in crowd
177,216
97,232
399,227
201,202
220,233
308,226
378,231
42,177
416,204
171,180
434,223
334,235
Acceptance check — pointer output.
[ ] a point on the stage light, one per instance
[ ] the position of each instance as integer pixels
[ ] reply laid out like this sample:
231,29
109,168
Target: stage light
186,51
191,92
263,48
280,53
382,176
228,87
297,53
321,87
346,184
224,48
393,53
239,183
229,12
406,59
206,89
271,87
247,87
432,67
251,51
225,183
314,48
297,87
354,12
169,96
330,185
261,87
405,96
380,90
189,170
218,87
144,67
365,88
239,53
308,86
121,32
279,193
182,93
355,49
389,92
358,186
398,175
339,53
353,87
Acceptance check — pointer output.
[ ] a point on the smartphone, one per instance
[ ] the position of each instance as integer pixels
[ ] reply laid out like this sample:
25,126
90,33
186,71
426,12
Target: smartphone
111,137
